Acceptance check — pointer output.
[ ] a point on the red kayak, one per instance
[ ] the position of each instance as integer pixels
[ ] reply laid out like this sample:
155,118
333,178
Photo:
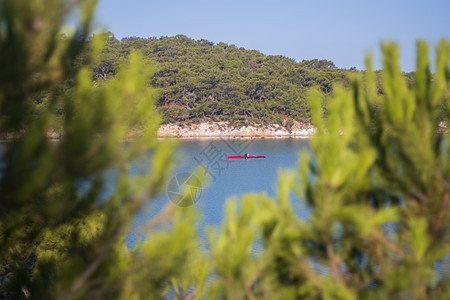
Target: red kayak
244,157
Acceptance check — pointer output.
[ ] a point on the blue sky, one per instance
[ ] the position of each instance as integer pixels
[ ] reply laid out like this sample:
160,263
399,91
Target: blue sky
342,31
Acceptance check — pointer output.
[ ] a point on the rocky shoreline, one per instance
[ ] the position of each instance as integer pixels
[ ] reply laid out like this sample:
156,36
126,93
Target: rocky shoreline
221,129
208,129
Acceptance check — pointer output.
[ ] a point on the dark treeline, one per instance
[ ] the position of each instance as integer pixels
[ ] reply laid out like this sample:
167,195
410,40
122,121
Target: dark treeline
202,81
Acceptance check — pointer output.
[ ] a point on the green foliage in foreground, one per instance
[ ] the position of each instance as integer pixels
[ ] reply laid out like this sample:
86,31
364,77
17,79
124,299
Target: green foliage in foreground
377,180
379,162
55,241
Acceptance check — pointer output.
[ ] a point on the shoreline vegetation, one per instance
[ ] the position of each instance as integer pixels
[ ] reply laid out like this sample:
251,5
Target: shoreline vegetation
198,81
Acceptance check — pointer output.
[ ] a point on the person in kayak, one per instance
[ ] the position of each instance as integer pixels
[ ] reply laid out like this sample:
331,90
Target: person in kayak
246,155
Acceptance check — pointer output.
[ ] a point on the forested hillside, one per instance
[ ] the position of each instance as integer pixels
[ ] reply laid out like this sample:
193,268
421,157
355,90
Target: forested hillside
202,81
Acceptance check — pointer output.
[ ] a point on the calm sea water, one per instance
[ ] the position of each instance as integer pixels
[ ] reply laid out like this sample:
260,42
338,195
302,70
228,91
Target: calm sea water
228,178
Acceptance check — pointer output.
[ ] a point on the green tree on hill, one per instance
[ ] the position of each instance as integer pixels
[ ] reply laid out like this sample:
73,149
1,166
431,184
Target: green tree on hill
193,73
